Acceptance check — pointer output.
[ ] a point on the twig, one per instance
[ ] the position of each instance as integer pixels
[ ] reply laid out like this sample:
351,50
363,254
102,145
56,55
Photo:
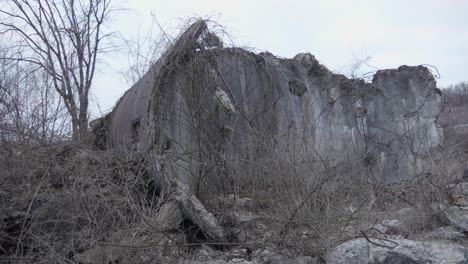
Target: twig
15,258
377,244
176,246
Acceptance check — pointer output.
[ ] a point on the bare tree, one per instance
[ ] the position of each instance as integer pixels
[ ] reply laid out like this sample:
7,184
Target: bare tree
64,38
30,111
457,94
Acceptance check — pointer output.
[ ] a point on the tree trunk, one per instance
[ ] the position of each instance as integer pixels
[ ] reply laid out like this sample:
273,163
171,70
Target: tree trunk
83,119
75,130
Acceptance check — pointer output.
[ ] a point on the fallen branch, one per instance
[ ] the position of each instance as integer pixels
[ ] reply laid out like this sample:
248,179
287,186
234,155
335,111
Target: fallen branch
377,244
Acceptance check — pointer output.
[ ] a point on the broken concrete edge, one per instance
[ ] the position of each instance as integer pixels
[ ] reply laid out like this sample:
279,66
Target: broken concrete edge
180,52
194,210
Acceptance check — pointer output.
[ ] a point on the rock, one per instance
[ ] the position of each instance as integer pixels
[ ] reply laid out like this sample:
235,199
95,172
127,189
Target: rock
247,204
219,261
407,212
241,222
458,217
397,251
244,219
242,261
459,193
239,253
100,255
389,227
168,217
445,233
243,203
239,233
299,260
304,260
205,253
273,257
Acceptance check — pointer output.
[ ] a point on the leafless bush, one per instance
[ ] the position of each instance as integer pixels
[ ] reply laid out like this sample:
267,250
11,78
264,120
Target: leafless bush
74,204
313,205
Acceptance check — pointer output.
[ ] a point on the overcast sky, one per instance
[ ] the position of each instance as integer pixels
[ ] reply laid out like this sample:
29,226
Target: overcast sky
392,33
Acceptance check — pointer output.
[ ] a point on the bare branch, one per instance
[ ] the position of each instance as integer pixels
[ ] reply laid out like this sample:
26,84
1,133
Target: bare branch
63,37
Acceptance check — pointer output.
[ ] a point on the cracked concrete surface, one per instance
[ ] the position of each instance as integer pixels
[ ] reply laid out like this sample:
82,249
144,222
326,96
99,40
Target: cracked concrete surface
203,107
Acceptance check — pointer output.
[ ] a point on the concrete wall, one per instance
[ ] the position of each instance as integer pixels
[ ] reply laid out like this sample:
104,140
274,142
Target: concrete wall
201,108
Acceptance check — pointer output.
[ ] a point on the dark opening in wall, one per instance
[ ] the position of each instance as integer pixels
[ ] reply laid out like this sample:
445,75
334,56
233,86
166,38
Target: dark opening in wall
135,128
297,87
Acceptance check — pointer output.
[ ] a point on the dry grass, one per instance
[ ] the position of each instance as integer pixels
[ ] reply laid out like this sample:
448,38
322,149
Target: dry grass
310,207
65,204
69,204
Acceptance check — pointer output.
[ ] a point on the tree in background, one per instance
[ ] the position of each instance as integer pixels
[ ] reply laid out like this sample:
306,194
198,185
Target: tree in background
64,38
30,111
455,105
457,94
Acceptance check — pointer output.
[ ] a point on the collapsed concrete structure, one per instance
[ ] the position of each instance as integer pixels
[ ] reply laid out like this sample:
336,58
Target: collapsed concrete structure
239,105
203,106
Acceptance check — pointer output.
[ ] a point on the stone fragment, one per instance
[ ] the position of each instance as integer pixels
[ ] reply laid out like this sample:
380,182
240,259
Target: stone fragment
361,251
458,217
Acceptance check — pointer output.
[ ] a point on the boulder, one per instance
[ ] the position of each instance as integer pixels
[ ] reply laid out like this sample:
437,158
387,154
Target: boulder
458,217
445,233
397,251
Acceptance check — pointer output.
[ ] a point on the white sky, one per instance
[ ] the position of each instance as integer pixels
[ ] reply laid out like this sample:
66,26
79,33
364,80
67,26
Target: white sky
393,33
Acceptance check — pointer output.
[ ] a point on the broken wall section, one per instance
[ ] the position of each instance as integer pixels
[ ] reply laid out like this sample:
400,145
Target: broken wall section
207,110
402,123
